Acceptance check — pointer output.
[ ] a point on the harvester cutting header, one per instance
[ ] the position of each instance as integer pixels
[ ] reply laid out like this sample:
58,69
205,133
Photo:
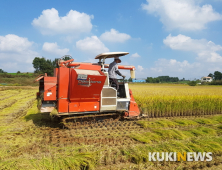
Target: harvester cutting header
82,90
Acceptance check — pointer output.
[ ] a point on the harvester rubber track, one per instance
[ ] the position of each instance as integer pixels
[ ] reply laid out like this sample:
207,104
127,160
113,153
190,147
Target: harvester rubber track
105,125
90,121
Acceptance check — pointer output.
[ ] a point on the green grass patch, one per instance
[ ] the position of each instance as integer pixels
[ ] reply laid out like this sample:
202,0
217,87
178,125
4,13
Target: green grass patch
23,81
73,160
179,122
170,134
185,122
158,135
2,128
148,137
202,131
157,124
30,74
205,121
33,113
219,127
165,123
217,118
204,144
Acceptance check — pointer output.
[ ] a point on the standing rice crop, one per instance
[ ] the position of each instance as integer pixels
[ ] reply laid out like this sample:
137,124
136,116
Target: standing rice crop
168,101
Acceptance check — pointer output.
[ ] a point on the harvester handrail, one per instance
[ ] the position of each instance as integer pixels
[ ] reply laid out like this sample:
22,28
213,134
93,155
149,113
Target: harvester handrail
39,77
125,67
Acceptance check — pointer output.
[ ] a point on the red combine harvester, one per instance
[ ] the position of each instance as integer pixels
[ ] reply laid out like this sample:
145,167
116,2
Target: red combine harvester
82,92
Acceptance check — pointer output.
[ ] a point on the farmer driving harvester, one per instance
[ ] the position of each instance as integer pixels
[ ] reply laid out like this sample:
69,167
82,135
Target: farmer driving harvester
113,71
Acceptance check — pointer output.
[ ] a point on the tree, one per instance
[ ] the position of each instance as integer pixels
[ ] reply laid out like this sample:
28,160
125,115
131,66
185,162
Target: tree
210,75
192,83
67,57
152,80
183,79
55,63
38,64
41,66
130,79
156,80
18,72
2,71
168,79
149,79
217,75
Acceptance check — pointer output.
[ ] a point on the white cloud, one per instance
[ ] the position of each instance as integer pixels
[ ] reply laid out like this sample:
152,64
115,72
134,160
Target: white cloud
207,60
172,66
183,14
210,57
135,55
16,53
185,43
53,48
175,68
114,36
140,68
14,43
205,50
91,45
74,22
184,68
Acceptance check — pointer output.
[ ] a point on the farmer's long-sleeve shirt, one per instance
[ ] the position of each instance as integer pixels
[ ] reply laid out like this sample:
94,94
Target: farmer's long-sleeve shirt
113,70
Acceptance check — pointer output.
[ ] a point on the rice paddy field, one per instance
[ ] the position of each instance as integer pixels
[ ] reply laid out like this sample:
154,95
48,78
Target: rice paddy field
181,118
178,100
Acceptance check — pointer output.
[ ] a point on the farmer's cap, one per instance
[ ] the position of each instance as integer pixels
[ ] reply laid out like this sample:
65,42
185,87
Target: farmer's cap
117,58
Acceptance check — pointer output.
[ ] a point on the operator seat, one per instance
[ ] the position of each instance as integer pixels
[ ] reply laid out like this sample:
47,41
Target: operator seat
112,84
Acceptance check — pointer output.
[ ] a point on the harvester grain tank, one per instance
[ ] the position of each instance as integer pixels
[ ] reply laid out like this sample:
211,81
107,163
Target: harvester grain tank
82,90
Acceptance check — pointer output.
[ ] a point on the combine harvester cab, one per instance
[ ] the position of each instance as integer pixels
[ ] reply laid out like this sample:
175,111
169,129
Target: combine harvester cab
83,89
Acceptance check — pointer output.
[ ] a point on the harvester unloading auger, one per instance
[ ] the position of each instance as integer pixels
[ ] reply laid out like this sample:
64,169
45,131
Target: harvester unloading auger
81,93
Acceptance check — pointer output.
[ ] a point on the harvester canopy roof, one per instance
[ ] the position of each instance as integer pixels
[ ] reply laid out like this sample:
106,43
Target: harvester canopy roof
111,55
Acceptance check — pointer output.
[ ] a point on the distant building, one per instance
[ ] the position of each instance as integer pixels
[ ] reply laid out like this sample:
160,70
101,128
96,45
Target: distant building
206,79
139,80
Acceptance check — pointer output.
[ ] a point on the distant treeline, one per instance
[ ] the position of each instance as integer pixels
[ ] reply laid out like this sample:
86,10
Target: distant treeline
9,75
215,82
41,66
4,74
162,79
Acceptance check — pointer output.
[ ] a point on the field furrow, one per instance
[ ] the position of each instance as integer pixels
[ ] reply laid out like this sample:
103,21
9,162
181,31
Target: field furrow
9,95
16,110
7,104
13,99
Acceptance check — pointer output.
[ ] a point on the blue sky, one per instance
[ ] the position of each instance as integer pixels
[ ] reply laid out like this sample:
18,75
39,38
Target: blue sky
180,38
